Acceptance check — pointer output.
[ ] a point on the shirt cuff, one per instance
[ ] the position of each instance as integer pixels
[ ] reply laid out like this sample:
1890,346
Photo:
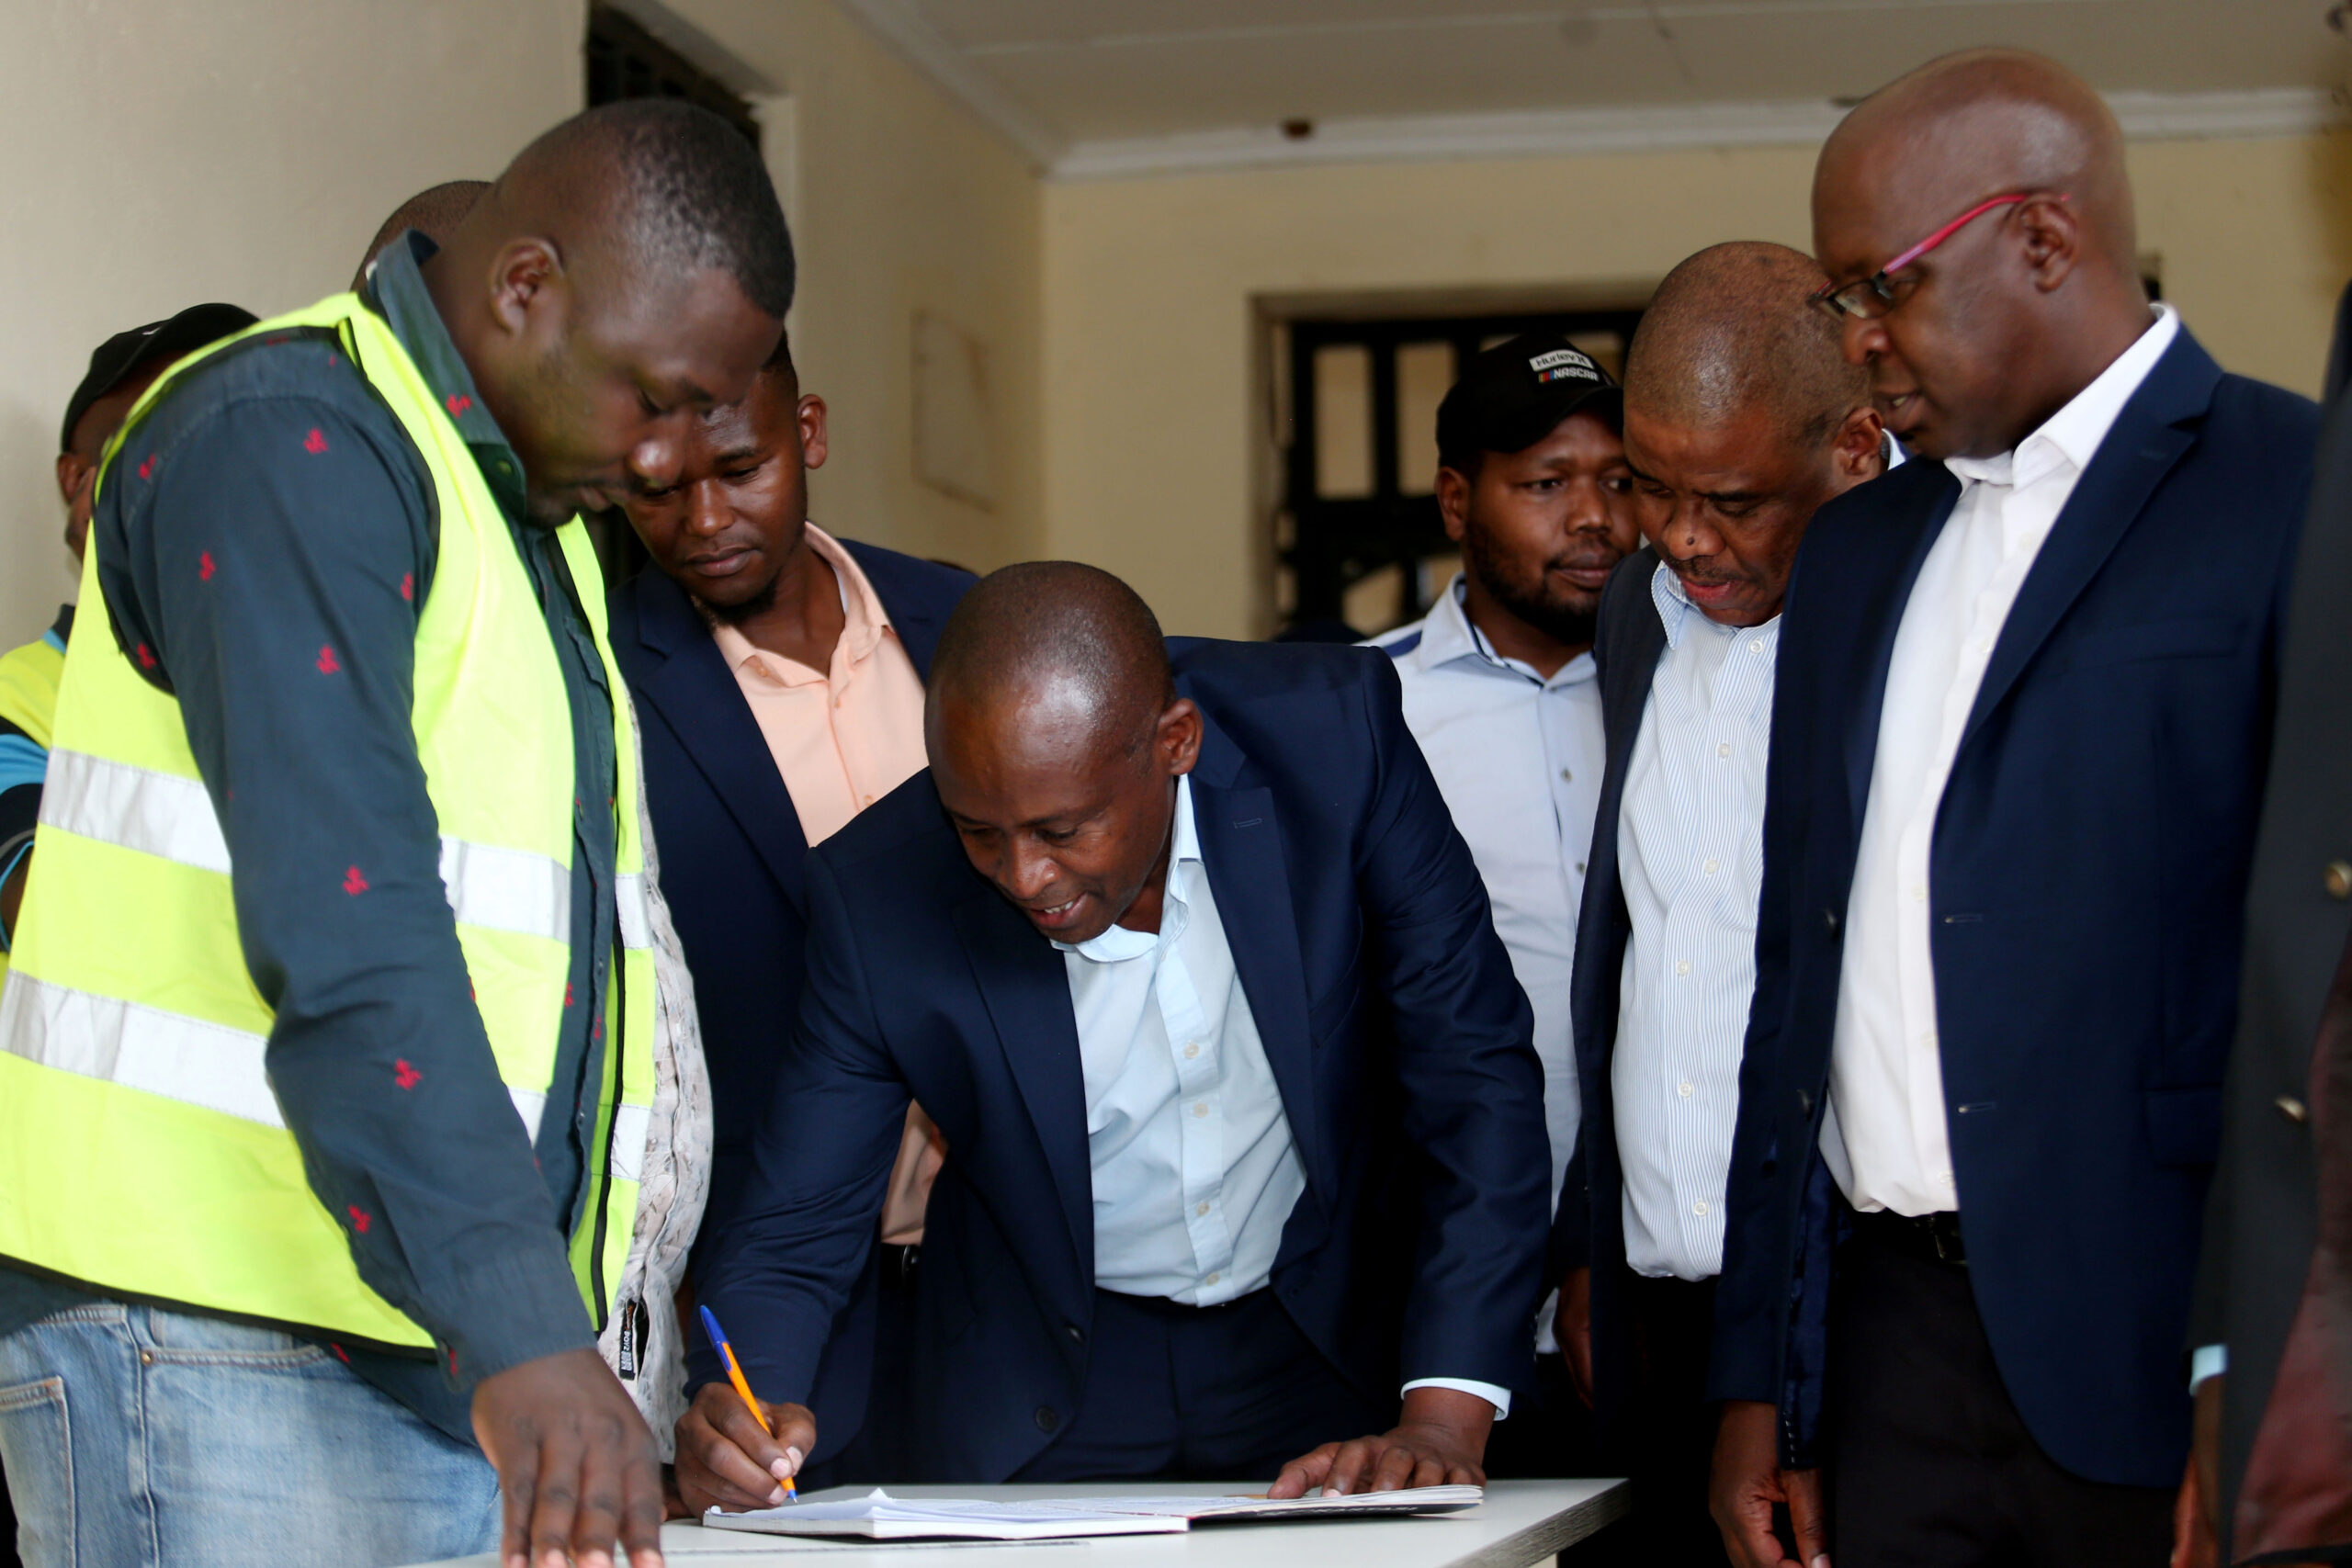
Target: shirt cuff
2207,1362
1497,1396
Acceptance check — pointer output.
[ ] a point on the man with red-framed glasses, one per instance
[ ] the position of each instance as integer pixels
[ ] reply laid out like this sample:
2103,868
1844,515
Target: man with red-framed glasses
2024,699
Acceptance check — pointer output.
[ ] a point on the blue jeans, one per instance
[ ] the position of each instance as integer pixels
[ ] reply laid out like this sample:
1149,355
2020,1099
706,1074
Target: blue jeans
137,1437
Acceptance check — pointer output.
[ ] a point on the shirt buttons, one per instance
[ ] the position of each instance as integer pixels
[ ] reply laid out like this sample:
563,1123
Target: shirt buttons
1191,1052
1723,748
1700,1208
1213,1278
1202,1108
1682,966
1757,646
1201,1209
1685,1088
1918,893
1566,776
1709,868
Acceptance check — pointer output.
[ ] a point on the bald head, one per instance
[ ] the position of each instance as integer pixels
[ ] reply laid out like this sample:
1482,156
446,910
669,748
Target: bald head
434,212
2014,167
1056,739
1981,123
1731,334
666,184
627,271
1054,638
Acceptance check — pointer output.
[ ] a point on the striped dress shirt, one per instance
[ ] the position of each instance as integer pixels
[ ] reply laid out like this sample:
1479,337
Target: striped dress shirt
1690,847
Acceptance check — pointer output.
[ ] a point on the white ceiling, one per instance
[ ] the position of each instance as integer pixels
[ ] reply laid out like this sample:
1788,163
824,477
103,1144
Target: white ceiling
1109,87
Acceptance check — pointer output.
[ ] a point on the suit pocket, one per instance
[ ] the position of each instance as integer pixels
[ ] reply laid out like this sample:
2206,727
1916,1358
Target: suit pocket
2211,637
2185,1124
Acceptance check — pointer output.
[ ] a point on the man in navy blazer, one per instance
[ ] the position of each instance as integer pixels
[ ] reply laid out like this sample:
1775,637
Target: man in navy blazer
2024,700
831,640
1181,948
734,547
1741,419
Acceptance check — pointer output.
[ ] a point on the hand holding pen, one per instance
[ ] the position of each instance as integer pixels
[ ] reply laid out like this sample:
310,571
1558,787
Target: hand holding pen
735,1451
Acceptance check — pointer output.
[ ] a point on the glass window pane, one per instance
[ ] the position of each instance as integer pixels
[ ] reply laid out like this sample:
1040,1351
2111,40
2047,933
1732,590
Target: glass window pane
1344,422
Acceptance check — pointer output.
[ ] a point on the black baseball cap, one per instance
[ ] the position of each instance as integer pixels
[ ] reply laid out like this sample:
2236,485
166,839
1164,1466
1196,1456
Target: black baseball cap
112,362
1512,395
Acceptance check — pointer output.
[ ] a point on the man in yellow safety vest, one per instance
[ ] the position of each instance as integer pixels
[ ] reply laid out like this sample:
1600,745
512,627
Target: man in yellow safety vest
326,1059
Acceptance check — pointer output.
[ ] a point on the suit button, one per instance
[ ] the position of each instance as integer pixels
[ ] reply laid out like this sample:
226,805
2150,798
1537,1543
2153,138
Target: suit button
2293,1109
1804,1100
2338,877
1046,1419
1829,918
1076,1335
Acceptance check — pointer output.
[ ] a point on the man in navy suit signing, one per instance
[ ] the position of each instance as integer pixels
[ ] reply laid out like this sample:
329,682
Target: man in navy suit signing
2024,700
1178,944
778,675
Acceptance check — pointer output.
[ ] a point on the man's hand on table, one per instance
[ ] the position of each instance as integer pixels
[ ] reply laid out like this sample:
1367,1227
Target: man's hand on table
726,1462
575,1461
1748,1479
1441,1440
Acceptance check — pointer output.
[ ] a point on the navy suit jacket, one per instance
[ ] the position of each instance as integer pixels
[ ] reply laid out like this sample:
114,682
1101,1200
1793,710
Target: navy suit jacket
730,841
1396,1032
2087,891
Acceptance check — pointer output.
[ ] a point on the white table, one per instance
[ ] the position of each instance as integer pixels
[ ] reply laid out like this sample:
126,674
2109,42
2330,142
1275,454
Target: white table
1521,1524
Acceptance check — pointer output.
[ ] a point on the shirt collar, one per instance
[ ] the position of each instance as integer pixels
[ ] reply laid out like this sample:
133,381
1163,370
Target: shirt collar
395,288
1449,634
1119,944
2073,434
863,621
1675,612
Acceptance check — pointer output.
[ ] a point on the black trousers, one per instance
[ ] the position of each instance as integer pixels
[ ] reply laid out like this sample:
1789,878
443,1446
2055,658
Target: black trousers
1176,1393
1928,1464
1547,1436
1669,1428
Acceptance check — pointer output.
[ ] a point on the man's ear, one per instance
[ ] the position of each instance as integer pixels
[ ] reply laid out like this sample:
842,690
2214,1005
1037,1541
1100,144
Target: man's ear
2052,233
1453,502
1860,447
811,416
1177,737
521,283
73,472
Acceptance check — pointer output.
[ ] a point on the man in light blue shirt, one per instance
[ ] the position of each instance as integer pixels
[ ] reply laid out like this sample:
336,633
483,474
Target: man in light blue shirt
1741,419
1498,690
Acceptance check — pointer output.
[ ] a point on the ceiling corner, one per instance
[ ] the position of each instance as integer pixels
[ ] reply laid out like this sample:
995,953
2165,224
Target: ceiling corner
901,25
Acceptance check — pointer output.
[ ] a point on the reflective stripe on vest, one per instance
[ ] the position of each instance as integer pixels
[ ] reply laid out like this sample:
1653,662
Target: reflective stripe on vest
164,815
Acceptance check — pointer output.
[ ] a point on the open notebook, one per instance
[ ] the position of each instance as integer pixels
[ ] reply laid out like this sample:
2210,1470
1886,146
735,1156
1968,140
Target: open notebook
880,1516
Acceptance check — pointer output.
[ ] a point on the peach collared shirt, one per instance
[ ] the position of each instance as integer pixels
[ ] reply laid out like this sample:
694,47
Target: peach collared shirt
843,737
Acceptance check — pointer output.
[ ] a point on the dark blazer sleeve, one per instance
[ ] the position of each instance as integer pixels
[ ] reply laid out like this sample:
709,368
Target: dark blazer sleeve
1473,1087
785,1266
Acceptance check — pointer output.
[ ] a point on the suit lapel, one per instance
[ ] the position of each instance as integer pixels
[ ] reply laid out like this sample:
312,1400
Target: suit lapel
1881,586
912,616
1025,986
2148,437
693,689
1241,847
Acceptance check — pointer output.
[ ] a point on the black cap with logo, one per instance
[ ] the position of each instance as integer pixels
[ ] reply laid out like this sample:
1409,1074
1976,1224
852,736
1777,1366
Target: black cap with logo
113,361
1514,394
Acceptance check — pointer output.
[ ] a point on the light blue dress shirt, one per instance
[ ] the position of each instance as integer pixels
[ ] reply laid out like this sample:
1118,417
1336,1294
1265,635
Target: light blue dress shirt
1195,1171
1519,758
1690,852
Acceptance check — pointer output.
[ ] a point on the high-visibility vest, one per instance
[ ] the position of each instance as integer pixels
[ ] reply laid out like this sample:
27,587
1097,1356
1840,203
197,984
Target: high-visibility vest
142,1152
29,677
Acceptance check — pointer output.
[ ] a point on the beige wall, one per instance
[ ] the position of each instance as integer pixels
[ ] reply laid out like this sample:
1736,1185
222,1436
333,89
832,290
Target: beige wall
1154,411
157,155
902,203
